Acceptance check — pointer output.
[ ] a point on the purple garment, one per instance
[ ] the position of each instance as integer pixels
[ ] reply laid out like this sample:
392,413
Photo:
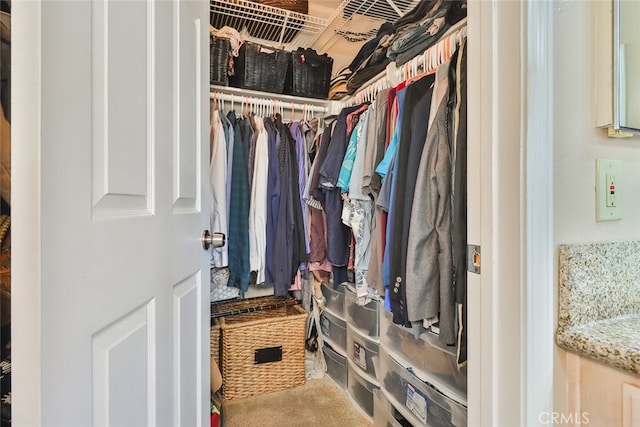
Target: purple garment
273,197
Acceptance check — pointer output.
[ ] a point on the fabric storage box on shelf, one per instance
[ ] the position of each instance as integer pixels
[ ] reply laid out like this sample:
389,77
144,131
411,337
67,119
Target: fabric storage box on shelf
260,68
384,414
363,352
419,402
220,51
336,366
262,345
308,74
429,361
334,331
361,390
362,317
335,299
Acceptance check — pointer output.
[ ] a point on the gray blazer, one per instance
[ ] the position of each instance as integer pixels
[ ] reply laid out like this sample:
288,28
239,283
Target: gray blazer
429,278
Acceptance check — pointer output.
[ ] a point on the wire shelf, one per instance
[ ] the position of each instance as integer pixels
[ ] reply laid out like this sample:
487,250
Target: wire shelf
267,24
360,17
354,21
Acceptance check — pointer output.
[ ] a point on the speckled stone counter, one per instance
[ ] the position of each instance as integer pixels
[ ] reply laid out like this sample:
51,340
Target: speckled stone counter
599,302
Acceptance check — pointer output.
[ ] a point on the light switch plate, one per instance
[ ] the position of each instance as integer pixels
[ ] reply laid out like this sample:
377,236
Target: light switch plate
608,189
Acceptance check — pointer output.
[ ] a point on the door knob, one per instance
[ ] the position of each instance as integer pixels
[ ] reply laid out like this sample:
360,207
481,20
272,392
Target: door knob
216,240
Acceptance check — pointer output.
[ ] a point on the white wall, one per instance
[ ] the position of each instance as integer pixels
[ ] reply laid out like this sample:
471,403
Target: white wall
577,145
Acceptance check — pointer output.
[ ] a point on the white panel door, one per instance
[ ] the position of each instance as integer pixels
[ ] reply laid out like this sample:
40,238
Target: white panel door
123,331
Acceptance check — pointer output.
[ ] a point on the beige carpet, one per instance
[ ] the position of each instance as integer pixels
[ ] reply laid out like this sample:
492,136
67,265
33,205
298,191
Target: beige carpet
317,403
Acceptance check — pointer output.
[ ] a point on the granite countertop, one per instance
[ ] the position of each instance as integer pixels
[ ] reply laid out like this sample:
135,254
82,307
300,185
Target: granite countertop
615,341
599,302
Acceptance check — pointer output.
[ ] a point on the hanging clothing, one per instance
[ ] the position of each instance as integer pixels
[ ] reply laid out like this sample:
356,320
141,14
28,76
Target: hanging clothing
258,203
386,198
317,219
353,163
230,144
273,194
218,179
338,234
239,271
297,130
382,118
283,270
375,144
298,159
429,263
413,133
457,115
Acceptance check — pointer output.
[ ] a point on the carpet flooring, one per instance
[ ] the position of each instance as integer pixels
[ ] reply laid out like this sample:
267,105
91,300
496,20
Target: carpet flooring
319,402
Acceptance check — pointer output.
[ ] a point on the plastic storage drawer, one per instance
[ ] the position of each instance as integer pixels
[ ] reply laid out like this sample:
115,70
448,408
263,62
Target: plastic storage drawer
362,317
335,299
422,404
429,362
384,414
336,366
334,331
363,352
361,390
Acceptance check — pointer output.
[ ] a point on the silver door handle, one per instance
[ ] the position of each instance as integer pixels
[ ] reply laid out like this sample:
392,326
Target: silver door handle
216,240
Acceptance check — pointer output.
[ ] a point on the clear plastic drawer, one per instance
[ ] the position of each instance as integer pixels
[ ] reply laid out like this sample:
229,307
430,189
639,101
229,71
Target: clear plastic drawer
335,298
422,404
336,366
361,390
364,318
429,362
334,331
363,352
384,414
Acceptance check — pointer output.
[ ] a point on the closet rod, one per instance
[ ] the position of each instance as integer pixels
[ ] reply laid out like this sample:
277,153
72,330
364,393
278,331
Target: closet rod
242,93
369,91
434,56
281,105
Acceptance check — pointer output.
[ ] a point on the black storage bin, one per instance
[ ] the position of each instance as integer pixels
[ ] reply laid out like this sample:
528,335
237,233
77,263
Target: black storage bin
260,68
309,74
220,51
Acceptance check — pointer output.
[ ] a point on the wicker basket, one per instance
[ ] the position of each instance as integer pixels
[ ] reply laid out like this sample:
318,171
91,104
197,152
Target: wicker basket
262,351
240,306
308,74
220,49
260,68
